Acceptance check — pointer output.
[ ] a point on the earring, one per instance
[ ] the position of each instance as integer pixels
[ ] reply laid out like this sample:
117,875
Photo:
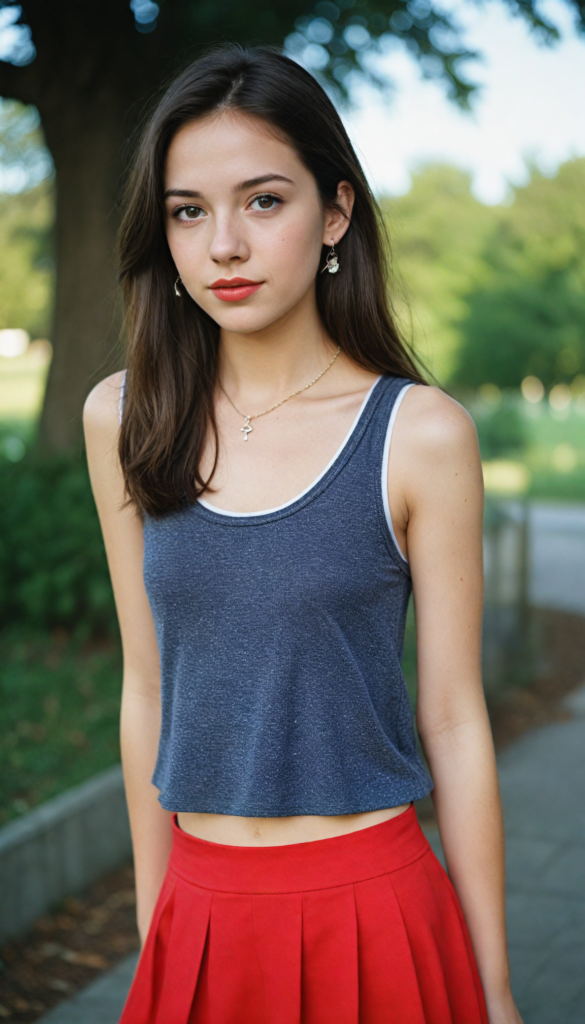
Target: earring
177,292
332,260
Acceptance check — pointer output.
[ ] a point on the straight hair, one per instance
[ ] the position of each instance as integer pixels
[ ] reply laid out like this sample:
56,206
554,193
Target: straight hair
172,345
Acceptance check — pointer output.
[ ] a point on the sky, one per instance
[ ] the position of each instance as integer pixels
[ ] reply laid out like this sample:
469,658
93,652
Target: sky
531,106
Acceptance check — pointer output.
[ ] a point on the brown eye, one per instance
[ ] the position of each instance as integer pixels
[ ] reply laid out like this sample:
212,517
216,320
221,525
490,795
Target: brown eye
188,213
266,202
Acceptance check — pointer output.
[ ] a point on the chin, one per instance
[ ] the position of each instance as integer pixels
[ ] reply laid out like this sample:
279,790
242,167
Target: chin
246,321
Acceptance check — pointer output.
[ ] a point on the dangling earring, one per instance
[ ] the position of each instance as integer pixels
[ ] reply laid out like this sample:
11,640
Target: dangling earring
332,260
177,292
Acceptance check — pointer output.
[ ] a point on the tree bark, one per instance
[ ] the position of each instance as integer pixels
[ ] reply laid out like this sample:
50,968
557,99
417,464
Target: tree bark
85,136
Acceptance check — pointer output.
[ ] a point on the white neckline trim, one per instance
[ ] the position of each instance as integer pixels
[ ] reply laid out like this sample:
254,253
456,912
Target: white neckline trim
277,508
385,459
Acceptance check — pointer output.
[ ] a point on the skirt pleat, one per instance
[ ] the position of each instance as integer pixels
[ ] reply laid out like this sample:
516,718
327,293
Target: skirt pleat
364,928
144,998
437,935
330,957
477,1004
389,991
182,959
278,922
231,979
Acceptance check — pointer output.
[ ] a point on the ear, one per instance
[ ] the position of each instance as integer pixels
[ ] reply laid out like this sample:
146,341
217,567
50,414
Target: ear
338,217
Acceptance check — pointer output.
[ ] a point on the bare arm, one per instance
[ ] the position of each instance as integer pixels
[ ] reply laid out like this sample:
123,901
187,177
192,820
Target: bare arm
140,719
436,502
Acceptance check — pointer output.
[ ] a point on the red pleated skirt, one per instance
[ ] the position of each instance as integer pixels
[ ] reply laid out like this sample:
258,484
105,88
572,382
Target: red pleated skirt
364,927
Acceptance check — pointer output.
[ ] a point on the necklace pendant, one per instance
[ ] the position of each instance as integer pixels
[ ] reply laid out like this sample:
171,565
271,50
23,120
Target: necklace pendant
246,429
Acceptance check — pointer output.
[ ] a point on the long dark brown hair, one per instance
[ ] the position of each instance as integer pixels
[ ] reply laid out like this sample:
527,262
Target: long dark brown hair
172,354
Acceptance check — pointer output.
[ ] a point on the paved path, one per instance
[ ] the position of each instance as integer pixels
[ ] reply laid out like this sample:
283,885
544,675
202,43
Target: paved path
100,1003
557,556
542,778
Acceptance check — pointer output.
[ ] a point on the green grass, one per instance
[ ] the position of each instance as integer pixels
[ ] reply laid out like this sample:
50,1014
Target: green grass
550,436
548,484
59,713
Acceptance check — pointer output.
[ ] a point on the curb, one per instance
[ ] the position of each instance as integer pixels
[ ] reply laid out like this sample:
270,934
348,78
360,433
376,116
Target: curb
101,1002
60,848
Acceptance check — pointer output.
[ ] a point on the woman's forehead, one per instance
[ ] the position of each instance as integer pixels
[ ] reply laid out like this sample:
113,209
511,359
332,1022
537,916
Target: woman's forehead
231,144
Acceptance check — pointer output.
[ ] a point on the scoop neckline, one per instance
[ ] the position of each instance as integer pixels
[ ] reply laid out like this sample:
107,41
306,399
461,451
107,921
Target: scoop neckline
226,514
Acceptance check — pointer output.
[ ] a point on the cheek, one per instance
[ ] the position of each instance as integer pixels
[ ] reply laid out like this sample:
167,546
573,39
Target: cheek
294,254
185,250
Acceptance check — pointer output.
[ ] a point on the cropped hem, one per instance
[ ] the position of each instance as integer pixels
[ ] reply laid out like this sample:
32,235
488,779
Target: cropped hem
290,811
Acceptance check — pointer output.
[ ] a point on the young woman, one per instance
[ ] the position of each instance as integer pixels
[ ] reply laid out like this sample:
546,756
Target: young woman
281,477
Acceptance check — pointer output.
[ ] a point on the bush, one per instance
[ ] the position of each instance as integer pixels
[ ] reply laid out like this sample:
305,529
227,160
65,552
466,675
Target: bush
501,430
53,569
59,714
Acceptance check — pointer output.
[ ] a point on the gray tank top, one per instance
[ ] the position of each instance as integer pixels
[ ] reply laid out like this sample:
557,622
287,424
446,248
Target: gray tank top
280,636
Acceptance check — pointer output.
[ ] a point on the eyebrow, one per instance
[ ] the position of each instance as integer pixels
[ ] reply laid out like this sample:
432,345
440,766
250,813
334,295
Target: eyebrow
249,183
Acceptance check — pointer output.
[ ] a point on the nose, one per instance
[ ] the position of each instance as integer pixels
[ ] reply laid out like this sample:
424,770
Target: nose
228,244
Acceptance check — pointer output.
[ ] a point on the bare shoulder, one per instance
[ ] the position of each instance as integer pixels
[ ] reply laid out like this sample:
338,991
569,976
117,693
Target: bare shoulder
101,412
437,427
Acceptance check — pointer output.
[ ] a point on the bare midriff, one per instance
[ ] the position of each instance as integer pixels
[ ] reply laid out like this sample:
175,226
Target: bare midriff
232,830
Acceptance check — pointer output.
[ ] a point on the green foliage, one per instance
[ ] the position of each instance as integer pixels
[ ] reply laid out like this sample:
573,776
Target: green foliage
333,39
26,265
493,294
527,316
27,210
501,429
53,570
59,714
24,159
437,232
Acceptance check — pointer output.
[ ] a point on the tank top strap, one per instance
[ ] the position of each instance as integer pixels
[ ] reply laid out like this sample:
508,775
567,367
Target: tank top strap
372,454
377,421
384,419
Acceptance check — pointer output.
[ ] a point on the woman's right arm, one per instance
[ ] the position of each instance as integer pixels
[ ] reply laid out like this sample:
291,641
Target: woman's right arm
140,718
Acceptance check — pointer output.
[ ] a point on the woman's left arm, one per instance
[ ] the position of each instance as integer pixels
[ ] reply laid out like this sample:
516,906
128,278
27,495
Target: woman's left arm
436,502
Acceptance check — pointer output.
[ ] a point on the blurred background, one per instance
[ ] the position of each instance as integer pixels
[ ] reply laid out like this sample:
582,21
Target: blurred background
468,117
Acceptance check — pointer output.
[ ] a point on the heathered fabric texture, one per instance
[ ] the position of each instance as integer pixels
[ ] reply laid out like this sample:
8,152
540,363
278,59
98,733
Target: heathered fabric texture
280,637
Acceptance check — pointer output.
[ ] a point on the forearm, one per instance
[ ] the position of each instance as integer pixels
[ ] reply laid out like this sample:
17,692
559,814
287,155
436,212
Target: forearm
469,814
150,824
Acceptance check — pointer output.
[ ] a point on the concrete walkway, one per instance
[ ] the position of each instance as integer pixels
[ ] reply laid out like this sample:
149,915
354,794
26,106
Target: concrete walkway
542,778
557,556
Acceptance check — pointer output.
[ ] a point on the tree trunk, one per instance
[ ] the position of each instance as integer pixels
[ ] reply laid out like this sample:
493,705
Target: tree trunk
85,139
92,73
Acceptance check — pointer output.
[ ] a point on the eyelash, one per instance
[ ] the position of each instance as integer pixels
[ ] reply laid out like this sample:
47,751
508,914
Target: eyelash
190,206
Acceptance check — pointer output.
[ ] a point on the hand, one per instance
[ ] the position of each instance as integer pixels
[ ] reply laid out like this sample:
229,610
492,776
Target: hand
503,1010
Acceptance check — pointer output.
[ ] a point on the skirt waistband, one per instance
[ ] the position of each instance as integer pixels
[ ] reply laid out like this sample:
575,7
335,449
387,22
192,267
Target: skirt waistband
300,867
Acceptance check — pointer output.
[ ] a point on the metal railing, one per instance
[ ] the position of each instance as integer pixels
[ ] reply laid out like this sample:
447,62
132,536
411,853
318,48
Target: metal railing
507,646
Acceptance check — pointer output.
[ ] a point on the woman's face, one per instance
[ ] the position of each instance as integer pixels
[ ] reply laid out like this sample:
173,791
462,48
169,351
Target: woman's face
244,221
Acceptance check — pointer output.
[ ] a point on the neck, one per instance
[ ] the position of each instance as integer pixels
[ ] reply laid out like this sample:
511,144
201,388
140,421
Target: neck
262,366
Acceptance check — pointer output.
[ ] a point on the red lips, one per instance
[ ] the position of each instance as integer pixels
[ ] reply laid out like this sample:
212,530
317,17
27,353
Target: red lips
233,289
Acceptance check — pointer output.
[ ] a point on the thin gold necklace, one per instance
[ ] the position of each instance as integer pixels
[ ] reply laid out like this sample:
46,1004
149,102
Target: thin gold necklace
247,428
